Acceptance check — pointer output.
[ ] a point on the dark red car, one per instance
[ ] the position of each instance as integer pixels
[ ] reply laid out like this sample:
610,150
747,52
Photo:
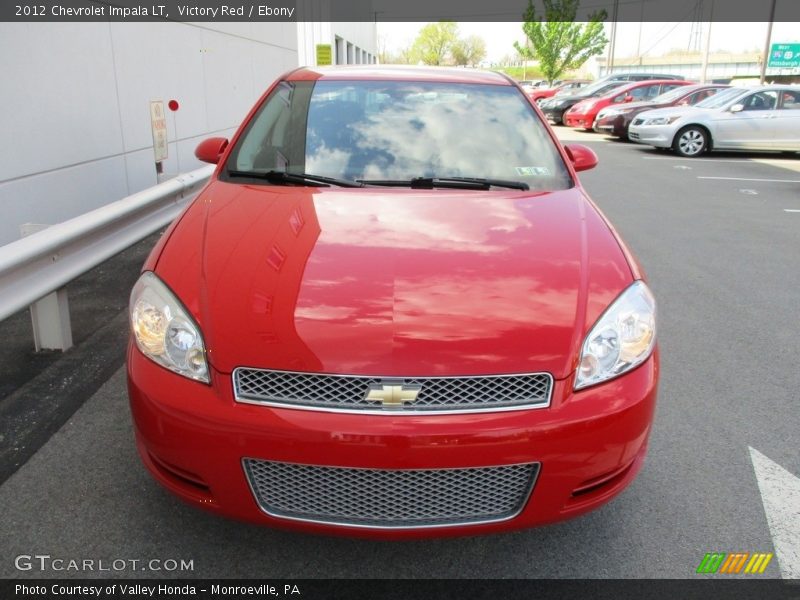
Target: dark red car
582,114
394,312
616,119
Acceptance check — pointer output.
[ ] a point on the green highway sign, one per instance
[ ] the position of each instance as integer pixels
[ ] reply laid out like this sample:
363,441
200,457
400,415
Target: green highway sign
784,56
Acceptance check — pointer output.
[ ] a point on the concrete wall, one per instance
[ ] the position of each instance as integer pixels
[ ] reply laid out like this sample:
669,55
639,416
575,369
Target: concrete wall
75,113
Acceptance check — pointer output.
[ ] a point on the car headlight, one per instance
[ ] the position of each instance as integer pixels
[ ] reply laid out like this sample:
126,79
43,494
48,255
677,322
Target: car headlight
164,331
622,338
660,120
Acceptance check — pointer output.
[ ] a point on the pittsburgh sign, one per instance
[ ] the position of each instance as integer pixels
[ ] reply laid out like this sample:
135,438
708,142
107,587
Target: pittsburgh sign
735,563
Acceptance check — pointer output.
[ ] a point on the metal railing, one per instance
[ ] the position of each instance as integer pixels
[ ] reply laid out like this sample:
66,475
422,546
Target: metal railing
35,269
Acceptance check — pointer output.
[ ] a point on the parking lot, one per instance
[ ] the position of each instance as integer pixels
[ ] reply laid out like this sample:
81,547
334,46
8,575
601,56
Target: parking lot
718,236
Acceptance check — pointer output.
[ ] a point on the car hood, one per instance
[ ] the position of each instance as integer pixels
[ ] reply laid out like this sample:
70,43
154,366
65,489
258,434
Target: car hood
679,111
393,282
636,106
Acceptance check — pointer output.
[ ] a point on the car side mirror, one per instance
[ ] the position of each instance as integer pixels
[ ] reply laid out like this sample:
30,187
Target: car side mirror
737,108
211,150
628,99
583,158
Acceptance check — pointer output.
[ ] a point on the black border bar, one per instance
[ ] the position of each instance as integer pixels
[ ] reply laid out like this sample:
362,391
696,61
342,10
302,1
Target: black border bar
406,589
386,10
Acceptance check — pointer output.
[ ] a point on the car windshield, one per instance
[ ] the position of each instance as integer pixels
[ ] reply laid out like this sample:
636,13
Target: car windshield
721,98
397,130
671,95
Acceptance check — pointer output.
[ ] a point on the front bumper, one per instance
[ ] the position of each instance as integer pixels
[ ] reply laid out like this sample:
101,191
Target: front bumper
553,115
583,121
193,438
611,125
652,135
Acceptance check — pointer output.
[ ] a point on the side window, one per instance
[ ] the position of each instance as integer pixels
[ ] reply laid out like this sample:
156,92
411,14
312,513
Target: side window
761,101
639,93
790,100
668,87
702,95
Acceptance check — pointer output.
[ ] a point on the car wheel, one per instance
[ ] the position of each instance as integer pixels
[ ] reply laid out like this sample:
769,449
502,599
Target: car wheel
690,141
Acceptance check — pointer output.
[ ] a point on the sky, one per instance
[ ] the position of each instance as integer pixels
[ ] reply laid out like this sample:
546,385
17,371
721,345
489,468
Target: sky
656,38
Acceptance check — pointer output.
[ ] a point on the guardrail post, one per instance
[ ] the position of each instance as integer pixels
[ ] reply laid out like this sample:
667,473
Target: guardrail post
52,329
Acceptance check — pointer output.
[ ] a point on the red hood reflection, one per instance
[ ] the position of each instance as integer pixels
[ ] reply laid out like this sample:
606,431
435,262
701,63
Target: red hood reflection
393,281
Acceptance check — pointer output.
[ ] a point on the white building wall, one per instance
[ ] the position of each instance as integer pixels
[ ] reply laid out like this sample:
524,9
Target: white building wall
362,37
75,105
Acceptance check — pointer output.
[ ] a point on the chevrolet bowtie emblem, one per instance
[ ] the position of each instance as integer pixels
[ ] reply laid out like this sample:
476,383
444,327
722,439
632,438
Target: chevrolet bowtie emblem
392,394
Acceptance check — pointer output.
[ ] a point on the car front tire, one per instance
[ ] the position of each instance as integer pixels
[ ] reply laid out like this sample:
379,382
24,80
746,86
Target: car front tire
690,141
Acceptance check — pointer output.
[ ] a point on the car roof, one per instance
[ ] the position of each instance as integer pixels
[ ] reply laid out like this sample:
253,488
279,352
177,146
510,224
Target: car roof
632,85
399,73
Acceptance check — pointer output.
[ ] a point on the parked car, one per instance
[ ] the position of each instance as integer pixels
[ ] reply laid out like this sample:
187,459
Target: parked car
393,311
555,107
615,119
583,113
755,118
529,85
565,87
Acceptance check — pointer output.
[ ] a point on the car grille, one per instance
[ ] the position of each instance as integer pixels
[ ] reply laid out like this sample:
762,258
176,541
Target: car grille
434,394
633,136
390,498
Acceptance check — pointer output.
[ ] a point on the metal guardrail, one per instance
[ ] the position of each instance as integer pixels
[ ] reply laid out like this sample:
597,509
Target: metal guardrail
35,269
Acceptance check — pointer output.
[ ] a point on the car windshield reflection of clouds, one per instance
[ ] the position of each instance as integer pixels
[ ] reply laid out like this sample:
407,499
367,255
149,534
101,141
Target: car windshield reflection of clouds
401,130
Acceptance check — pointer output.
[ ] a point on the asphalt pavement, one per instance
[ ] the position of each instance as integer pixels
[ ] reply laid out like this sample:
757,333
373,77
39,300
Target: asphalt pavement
719,238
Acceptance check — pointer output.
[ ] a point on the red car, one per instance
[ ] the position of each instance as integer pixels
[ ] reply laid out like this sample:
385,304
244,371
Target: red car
566,87
393,312
583,114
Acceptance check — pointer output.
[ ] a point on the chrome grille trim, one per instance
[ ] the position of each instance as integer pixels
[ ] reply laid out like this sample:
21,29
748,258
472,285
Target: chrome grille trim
345,393
390,499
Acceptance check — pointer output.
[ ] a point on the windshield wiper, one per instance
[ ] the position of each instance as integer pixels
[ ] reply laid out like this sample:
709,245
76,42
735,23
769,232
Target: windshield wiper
459,183
282,177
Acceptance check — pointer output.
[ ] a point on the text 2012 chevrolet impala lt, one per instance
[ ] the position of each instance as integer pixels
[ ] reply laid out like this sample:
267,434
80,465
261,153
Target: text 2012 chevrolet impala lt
393,311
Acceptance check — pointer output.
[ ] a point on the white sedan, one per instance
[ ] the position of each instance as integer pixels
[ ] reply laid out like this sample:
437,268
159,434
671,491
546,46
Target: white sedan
755,118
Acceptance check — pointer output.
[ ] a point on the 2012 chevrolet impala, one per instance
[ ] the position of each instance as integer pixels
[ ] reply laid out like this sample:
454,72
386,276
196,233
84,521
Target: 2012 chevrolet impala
394,312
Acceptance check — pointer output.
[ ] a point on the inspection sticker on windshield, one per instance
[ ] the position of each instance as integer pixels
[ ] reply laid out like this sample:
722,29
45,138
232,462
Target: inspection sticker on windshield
532,171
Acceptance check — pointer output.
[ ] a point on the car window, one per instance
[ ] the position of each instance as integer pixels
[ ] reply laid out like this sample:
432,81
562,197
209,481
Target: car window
702,95
721,98
790,100
401,130
761,101
666,88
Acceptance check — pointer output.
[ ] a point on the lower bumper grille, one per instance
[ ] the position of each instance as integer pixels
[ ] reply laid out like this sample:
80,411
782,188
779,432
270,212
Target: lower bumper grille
402,498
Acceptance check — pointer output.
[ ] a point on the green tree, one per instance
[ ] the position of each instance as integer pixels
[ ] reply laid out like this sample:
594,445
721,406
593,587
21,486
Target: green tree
469,50
434,43
556,41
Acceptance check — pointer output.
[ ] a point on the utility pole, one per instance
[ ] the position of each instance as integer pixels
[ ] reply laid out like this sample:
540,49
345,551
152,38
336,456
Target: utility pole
703,78
610,59
765,56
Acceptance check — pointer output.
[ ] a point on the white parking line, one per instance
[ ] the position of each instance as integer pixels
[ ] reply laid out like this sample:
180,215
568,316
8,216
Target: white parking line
745,179
797,210
699,161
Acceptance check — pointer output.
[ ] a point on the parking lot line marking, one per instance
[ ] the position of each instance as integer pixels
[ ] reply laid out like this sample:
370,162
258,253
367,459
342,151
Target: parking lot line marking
797,210
699,161
780,495
745,179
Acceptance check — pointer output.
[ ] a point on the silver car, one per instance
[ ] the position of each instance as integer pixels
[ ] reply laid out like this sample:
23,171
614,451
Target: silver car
754,118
